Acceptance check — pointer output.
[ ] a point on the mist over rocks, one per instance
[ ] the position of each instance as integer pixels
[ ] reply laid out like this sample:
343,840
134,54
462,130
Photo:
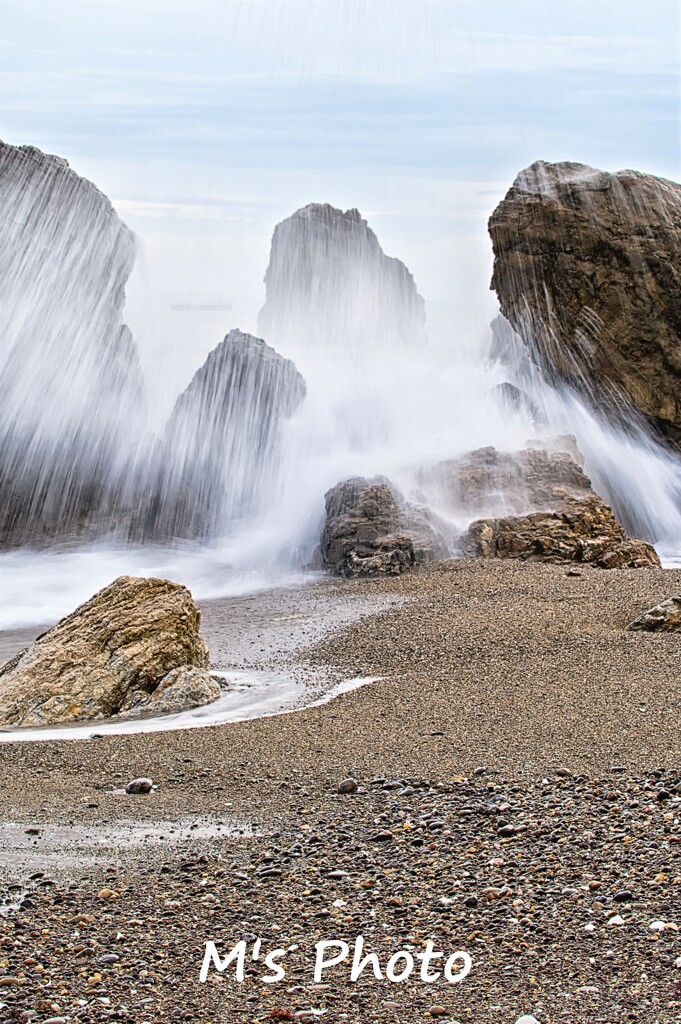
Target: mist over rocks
102,657
221,441
329,284
587,269
72,396
494,482
537,504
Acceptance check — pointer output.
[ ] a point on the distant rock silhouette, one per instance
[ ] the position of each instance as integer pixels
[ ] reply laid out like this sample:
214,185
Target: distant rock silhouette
329,283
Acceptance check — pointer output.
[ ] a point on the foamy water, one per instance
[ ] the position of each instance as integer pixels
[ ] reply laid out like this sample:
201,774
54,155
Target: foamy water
362,415
248,695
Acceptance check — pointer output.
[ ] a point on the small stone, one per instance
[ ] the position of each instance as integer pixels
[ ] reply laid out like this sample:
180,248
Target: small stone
348,786
527,1019
506,831
623,897
437,1011
470,901
480,771
139,786
381,837
616,920
106,894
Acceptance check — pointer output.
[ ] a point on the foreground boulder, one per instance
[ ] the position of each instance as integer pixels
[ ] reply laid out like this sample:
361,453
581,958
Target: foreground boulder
126,638
663,618
329,283
182,689
587,269
371,530
583,530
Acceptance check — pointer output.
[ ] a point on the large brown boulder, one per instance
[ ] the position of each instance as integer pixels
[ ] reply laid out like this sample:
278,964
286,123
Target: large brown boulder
582,530
371,530
587,269
126,638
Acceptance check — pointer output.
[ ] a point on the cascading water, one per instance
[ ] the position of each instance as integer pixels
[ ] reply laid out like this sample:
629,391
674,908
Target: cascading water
242,469
71,389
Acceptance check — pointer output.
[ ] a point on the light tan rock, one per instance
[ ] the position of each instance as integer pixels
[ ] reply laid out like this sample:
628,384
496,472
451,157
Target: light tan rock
581,530
128,637
182,689
663,618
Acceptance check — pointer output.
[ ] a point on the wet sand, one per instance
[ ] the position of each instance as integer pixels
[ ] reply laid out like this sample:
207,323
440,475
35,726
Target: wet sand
519,771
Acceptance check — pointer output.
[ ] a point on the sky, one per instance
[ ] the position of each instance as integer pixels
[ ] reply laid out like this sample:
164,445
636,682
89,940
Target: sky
207,121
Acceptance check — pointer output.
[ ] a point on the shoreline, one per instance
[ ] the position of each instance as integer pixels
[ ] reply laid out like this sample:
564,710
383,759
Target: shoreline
512,698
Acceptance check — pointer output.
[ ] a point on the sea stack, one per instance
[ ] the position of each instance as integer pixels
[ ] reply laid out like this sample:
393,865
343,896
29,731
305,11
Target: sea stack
587,268
71,389
329,284
222,439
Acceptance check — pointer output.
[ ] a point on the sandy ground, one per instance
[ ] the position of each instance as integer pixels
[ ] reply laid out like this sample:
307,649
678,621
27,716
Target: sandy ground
519,783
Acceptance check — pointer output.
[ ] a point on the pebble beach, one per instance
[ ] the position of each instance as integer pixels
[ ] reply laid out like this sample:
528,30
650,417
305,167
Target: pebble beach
509,785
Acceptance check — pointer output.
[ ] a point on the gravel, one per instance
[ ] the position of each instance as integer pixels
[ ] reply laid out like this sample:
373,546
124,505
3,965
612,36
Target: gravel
518,788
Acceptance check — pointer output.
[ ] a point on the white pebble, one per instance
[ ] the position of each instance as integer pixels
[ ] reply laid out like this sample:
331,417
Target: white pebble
617,919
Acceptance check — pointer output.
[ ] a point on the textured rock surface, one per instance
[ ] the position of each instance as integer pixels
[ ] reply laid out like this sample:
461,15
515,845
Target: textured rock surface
182,689
330,283
371,530
588,271
126,638
664,617
583,530
222,438
71,388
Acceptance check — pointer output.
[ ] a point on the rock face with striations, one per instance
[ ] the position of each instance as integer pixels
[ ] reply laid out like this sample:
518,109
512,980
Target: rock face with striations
123,641
71,388
581,530
222,439
329,283
370,530
587,269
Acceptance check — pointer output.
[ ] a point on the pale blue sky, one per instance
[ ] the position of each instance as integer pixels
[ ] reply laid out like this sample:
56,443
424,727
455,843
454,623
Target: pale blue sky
208,121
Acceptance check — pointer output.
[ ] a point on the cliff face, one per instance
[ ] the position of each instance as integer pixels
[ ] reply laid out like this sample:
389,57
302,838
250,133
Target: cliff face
71,389
222,439
329,283
587,269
